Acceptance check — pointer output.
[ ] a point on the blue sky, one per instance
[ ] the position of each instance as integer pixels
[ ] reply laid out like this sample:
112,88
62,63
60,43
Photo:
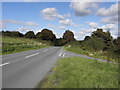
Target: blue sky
81,18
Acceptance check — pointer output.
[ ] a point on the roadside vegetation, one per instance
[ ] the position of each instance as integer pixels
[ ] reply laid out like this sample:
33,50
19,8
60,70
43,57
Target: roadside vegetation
98,54
99,45
78,72
16,44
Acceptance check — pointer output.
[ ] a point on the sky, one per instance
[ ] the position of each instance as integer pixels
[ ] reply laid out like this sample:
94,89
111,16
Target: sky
82,18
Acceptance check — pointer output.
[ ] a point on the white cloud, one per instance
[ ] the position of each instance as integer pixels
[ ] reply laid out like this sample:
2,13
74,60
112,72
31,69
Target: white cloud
31,24
110,15
56,27
110,19
111,11
28,23
68,22
83,8
92,24
108,26
51,14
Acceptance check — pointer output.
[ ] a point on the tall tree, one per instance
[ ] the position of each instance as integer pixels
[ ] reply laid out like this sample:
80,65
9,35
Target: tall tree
39,35
105,37
47,34
29,34
68,36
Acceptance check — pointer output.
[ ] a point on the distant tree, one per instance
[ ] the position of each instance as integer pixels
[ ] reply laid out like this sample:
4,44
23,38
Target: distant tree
105,37
87,38
94,43
12,33
39,36
117,43
68,36
29,34
6,33
59,42
16,34
47,34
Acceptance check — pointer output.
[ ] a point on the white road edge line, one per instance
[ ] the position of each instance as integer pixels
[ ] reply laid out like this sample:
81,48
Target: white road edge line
60,54
45,50
63,54
4,64
31,55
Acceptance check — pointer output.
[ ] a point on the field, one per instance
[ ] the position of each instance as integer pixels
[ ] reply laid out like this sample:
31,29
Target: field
100,54
13,45
77,72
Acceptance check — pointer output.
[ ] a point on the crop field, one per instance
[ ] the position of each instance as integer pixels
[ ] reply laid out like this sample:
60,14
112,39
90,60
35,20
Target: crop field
12,45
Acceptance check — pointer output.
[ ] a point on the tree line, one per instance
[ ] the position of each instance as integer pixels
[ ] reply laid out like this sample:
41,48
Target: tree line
98,41
45,34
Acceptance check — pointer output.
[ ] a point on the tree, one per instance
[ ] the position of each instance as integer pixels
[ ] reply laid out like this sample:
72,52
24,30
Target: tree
39,36
117,43
29,34
16,34
47,34
105,37
12,33
87,38
59,42
94,43
6,33
68,36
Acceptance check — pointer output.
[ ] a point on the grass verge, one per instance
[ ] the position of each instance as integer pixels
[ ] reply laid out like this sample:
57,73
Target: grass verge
78,72
100,55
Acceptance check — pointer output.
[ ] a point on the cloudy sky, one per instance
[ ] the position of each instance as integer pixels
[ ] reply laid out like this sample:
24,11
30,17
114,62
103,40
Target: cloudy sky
80,17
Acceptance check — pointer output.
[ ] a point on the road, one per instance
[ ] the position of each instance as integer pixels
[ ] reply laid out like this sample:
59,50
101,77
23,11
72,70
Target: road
26,69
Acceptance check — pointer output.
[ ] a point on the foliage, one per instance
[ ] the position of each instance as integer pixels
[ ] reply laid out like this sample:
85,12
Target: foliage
95,54
12,33
105,37
94,44
87,38
47,34
59,42
39,36
68,36
77,72
29,34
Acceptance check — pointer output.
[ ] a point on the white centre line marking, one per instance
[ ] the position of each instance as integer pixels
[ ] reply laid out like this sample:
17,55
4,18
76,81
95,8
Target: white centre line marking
31,55
45,50
60,54
4,64
63,54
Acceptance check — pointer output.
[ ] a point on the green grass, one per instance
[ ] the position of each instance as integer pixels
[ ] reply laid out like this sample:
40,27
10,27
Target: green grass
13,44
100,55
77,72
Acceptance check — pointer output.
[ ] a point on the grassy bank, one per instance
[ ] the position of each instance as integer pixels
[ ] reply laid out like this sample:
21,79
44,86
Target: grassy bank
100,54
77,72
13,44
